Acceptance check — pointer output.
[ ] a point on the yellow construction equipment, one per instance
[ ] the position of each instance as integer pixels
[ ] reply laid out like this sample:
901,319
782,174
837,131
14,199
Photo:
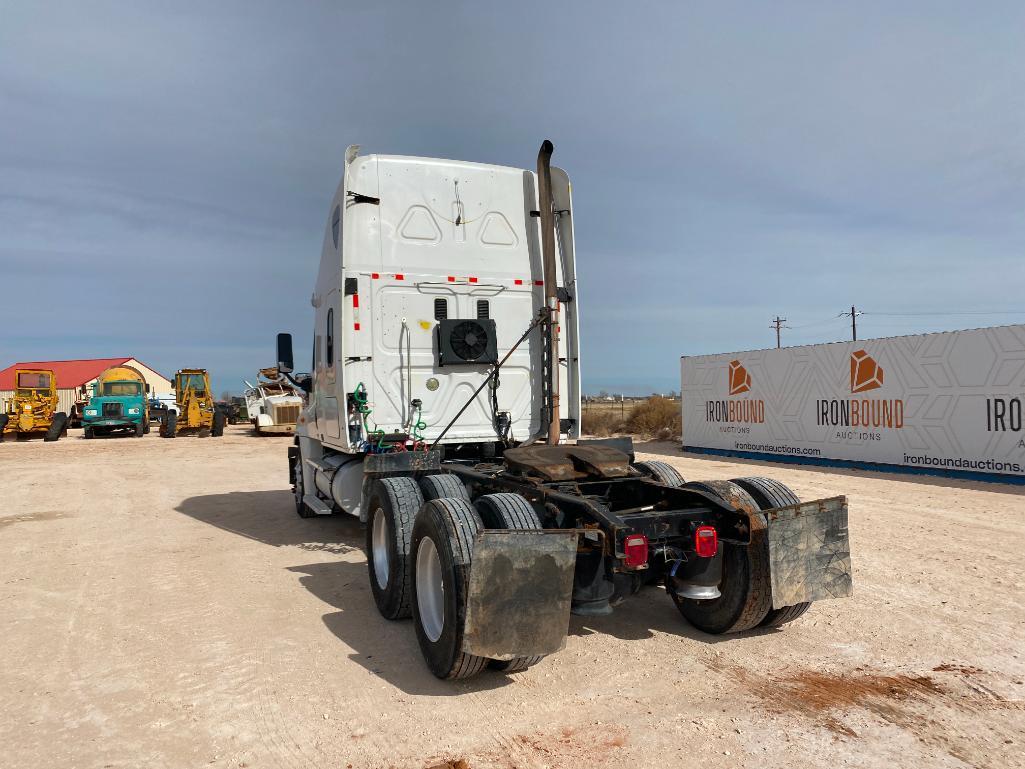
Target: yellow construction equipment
196,411
33,410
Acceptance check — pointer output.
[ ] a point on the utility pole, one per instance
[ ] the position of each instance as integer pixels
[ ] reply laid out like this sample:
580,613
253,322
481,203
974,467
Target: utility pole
854,322
778,324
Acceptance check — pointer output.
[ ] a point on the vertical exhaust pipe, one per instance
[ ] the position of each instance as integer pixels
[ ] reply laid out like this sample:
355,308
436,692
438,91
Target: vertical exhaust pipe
551,369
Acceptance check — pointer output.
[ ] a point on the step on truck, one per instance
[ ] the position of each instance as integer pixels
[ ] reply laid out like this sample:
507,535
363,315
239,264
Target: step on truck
444,411
119,404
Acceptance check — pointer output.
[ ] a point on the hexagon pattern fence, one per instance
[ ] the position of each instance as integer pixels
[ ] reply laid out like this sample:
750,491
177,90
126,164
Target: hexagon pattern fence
950,401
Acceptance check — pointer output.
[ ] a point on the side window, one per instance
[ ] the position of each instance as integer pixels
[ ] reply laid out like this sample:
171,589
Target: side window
330,336
336,219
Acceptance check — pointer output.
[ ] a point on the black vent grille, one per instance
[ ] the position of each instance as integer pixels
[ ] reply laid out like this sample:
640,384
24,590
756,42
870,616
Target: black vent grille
112,409
483,309
465,341
440,308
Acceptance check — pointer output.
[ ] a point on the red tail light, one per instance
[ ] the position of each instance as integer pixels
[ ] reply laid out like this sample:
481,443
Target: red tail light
706,541
635,550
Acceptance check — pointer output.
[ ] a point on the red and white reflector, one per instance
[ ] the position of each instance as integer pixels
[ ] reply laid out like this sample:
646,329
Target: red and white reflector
706,541
635,550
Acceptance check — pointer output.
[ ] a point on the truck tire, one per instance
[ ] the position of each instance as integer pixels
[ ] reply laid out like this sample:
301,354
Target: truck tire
218,429
442,548
663,472
769,493
140,430
394,503
88,433
170,425
57,426
746,593
3,425
443,485
509,511
145,427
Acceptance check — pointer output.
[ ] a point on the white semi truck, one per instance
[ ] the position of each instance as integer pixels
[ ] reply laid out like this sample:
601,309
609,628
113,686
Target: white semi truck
443,411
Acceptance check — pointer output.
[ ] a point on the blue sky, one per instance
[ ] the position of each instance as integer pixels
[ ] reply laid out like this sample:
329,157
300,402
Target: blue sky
165,169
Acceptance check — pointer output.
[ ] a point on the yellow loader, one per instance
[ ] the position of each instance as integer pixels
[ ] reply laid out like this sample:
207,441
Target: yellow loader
33,410
196,411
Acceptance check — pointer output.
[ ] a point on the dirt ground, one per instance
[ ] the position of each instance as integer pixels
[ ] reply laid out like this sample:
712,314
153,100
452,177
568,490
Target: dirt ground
162,605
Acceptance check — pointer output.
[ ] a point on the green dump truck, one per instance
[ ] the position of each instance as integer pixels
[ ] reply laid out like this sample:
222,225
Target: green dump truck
119,404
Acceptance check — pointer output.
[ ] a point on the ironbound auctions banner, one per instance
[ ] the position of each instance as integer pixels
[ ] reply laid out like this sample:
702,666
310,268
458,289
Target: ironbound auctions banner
947,401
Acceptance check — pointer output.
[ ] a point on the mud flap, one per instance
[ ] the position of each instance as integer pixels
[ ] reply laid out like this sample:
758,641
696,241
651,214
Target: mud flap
809,552
521,583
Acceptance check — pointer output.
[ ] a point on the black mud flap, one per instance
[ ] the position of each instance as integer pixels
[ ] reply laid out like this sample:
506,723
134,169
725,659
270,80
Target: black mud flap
521,584
809,552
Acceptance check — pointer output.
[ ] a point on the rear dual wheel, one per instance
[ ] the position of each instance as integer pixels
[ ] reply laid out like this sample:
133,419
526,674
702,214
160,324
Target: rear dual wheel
769,493
745,592
392,509
442,548
420,542
745,600
509,511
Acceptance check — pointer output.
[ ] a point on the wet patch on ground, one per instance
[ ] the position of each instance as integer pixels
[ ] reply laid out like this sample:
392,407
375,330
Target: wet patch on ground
918,703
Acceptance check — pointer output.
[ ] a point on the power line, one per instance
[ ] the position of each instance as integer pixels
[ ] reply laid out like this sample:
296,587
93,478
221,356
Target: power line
951,312
832,319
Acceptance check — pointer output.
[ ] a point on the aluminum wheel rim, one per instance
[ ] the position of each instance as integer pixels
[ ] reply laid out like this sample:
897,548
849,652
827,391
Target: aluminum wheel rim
430,590
380,538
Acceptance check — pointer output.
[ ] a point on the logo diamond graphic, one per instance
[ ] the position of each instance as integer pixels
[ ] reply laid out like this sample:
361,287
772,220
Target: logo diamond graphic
866,374
740,380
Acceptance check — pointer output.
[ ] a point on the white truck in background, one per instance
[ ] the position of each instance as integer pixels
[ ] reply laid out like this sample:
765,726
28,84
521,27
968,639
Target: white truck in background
273,403
443,411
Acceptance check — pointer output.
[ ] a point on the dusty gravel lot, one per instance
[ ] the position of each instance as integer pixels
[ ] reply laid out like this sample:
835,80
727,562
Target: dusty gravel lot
162,605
